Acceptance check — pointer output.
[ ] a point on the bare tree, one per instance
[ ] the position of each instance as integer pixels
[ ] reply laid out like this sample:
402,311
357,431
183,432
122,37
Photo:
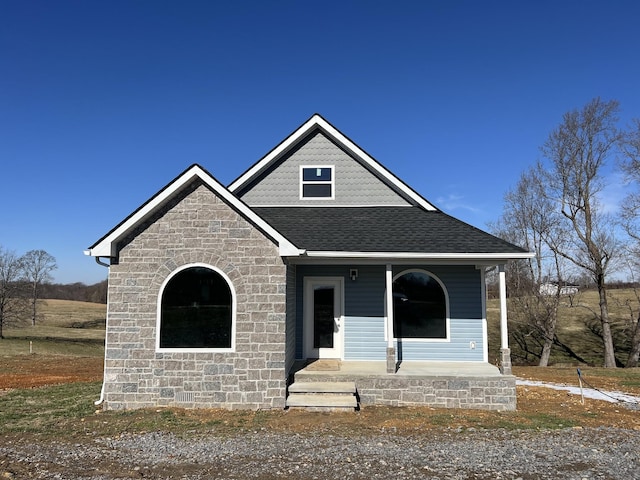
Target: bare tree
529,220
37,265
13,303
631,222
579,149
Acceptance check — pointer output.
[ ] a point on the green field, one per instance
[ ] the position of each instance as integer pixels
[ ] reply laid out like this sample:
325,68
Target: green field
66,328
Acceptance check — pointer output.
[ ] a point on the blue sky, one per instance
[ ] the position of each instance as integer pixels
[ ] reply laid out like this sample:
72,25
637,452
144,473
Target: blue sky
103,103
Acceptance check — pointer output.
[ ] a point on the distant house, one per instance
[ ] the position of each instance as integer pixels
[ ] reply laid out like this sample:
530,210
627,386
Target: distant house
224,296
552,289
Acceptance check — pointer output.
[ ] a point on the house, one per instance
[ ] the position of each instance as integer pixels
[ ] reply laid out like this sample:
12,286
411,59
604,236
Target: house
221,296
551,289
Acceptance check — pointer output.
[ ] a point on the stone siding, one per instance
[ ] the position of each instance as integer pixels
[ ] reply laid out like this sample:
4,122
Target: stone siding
483,393
196,227
488,393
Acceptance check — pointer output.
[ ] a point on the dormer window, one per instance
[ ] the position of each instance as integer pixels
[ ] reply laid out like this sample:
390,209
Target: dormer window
316,182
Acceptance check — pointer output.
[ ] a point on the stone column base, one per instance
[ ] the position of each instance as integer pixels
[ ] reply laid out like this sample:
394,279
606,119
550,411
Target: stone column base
391,360
505,361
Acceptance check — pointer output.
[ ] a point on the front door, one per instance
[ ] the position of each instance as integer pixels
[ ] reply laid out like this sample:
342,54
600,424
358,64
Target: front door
323,317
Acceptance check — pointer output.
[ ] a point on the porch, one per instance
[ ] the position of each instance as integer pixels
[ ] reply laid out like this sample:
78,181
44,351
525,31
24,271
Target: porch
474,385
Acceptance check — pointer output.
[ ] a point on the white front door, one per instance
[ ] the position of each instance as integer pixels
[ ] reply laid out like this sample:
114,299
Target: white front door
323,317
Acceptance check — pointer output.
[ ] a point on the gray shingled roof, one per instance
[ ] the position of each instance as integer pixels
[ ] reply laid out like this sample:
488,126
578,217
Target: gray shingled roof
380,229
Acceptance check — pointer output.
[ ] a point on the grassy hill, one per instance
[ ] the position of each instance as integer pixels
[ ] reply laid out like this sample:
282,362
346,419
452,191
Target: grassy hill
66,328
578,327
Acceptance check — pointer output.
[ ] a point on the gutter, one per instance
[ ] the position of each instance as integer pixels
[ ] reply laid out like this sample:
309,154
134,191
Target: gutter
106,327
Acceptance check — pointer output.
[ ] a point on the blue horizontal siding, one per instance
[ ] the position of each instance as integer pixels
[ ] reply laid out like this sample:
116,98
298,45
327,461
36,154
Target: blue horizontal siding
463,331
364,312
364,338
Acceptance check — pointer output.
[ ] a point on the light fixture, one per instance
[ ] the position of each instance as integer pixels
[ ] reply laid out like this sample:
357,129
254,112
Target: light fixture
353,273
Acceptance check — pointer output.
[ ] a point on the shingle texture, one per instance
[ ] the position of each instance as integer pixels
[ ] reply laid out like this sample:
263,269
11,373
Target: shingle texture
381,229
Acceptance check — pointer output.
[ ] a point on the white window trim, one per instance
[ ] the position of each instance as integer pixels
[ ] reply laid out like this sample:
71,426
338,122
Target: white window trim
233,312
332,182
447,339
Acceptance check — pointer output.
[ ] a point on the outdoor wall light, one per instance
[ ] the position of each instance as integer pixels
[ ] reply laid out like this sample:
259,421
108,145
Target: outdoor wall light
353,273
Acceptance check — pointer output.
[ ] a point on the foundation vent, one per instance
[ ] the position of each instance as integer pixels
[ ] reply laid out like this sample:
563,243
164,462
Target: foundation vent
184,397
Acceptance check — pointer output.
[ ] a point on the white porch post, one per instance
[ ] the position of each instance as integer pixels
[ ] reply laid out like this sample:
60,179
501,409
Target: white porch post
391,351
505,352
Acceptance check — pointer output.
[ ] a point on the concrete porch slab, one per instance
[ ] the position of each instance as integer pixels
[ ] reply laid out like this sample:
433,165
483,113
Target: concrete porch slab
405,369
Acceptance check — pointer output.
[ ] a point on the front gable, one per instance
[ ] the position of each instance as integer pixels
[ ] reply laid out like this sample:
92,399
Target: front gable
107,246
352,177
349,182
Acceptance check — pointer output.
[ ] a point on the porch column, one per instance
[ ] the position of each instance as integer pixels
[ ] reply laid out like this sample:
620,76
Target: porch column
505,352
391,351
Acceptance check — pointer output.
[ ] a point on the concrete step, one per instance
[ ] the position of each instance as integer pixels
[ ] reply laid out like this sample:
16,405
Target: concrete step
321,400
323,387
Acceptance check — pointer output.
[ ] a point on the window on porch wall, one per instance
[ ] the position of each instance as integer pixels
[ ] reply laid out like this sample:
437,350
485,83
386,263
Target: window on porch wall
419,307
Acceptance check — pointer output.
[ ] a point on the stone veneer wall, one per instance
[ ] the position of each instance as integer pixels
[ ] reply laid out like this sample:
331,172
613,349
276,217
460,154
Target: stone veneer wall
484,393
196,227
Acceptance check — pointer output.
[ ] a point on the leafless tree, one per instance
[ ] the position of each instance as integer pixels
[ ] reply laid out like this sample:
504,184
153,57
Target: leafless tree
37,265
530,221
579,149
13,302
631,222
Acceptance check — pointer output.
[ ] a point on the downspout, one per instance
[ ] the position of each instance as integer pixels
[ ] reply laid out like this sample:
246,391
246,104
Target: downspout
106,327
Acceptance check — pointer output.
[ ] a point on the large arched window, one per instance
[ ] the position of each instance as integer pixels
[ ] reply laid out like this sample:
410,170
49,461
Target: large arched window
196,310
419,306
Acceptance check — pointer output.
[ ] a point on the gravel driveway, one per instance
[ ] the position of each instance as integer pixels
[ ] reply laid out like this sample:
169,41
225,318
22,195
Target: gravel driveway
602,453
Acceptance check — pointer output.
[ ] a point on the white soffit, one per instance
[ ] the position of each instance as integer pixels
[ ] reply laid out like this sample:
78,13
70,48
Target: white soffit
317,120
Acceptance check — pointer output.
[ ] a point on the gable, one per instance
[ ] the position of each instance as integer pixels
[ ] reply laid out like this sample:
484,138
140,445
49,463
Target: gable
334,141
352,183
107,245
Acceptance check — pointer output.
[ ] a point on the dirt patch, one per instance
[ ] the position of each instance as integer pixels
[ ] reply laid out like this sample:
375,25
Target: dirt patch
28,371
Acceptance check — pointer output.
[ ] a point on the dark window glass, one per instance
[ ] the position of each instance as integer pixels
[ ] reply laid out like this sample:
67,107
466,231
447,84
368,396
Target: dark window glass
196,310
323,317
316,174
419,307
316,190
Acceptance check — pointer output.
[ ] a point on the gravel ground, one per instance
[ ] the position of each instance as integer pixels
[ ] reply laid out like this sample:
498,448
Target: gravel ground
601,453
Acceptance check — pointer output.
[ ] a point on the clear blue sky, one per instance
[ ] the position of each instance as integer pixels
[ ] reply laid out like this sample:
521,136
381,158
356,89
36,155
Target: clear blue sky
103,103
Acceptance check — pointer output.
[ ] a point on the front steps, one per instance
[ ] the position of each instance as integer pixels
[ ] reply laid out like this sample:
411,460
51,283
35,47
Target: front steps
322,396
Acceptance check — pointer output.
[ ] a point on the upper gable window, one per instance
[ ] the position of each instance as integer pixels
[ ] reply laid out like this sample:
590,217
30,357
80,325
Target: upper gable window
317,182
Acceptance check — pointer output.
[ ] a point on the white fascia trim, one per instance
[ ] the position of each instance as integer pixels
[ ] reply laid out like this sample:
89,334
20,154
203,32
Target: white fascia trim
273,154
348,144
106,248
422,256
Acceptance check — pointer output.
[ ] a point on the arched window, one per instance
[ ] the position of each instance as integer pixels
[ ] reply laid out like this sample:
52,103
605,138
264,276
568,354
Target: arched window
419,306
196,310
